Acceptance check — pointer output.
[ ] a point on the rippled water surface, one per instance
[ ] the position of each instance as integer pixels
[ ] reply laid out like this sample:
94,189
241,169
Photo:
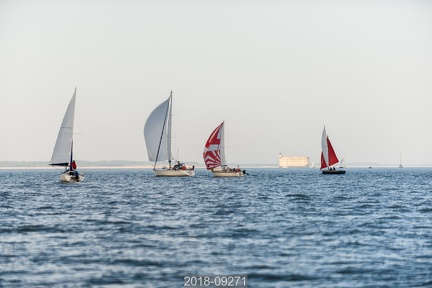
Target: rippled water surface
281,227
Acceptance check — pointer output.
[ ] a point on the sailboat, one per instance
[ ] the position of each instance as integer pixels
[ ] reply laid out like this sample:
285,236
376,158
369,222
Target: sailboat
214,155
157,136
328,156
400,160
63,149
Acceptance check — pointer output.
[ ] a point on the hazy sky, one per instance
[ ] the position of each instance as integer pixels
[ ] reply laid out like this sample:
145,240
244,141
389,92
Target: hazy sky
275,71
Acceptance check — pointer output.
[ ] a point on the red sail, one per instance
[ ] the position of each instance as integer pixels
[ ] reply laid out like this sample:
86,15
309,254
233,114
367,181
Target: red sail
211,152
331,154
323,163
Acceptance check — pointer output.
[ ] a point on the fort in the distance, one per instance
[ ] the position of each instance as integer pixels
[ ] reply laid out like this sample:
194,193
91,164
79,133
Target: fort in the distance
293,161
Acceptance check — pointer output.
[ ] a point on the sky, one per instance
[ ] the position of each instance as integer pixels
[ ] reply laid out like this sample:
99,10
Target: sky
276,72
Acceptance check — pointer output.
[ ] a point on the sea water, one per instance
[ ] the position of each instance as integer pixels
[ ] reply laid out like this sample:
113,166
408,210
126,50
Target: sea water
280,227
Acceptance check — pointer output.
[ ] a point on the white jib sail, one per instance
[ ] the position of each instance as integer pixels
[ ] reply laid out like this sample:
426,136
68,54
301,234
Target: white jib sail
157,134
62,149
324,146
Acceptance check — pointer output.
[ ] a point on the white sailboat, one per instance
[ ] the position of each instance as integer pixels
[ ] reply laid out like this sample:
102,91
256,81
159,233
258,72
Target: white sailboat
214,155
157,136
63,149
400,160
328,156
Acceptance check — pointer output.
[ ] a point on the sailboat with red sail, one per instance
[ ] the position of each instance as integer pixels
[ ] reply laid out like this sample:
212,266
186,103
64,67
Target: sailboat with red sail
328,156
214,155
63,150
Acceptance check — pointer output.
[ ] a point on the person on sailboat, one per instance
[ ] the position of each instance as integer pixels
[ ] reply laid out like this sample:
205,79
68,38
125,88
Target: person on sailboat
72,167
177,166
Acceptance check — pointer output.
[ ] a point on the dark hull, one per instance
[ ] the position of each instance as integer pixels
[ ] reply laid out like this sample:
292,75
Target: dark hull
333,171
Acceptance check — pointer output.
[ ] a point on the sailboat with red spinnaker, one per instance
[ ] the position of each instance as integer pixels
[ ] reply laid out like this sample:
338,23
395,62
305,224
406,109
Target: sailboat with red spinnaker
214,155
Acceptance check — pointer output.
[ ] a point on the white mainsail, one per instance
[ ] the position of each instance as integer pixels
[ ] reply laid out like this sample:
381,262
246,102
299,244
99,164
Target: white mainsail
63,148
157,132
324,147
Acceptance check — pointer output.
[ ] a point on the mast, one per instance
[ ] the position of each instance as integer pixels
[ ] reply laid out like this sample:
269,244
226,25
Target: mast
71,156
169,153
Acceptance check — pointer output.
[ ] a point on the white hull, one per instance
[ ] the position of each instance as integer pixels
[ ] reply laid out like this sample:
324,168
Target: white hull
173,173
227,173
66,177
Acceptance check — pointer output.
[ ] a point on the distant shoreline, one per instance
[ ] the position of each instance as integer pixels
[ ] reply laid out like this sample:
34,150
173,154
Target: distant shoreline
114,167
80,168
200,167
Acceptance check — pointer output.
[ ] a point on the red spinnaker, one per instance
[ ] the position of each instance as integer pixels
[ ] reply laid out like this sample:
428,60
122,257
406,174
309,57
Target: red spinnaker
211,152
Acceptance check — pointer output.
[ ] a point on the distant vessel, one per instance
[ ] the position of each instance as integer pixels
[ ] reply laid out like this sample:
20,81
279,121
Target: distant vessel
157,135
328,156
214,155
400,160
63,149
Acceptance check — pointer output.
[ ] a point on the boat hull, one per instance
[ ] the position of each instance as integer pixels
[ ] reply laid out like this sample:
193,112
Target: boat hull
67,177
228,173
173,173
333,171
